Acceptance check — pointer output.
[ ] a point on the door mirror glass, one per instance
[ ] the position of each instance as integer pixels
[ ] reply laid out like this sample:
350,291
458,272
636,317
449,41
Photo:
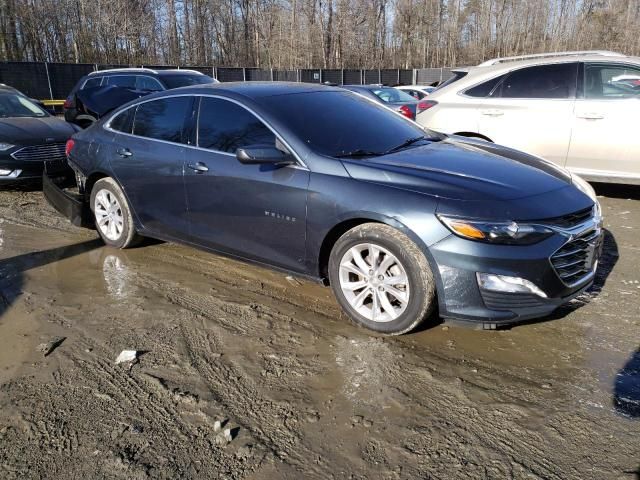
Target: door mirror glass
263,154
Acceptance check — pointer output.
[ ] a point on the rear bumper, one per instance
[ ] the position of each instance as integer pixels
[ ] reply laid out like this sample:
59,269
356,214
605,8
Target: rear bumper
55,186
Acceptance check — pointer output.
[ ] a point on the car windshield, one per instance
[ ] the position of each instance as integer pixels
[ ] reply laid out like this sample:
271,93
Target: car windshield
12,105
176,81
343,124
393,95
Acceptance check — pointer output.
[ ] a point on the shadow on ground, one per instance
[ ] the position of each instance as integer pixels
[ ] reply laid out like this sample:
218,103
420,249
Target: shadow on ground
626,389
12,269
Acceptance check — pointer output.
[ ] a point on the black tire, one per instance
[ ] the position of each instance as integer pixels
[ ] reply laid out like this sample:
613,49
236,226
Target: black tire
128,236
421,284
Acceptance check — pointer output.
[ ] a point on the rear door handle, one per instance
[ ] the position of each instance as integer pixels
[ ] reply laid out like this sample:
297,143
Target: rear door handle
591,116
124,152
492,112
199,167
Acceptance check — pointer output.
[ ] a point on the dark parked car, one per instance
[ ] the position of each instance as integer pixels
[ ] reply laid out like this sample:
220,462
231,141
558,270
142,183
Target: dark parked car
29,135
393,98
324,183
129,82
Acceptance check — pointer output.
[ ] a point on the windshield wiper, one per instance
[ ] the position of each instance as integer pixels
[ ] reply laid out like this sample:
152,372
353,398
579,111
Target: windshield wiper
406,143
359,153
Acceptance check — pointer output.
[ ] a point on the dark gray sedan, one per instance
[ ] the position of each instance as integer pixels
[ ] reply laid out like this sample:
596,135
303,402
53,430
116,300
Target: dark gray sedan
323,183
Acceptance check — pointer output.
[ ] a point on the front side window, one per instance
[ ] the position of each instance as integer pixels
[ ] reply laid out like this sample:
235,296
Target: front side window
542,81
603,81
126,81
226,126
93,82
162,119
148,84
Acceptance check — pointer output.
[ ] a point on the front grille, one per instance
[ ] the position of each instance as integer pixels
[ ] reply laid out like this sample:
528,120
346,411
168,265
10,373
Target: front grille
576,258
510,301
41,153
569,221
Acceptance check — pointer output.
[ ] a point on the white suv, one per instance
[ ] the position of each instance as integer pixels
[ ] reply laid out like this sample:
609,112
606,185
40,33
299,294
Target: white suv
576,109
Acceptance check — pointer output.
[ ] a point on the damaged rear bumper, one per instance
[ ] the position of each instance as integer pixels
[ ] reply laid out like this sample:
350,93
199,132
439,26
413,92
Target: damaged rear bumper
57,185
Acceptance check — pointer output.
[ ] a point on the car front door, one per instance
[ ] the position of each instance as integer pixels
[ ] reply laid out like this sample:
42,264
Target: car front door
252,211
605,141
531,110
147,154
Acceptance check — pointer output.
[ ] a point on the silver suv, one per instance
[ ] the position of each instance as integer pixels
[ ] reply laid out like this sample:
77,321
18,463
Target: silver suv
576,109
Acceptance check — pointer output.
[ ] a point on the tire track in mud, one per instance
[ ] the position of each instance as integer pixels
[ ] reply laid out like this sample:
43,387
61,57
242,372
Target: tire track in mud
235,391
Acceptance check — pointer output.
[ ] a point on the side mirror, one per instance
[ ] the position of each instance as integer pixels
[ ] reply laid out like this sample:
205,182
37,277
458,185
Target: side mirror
260,154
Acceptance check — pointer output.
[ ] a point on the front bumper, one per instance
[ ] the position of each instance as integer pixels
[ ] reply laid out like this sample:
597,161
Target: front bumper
58,183
460,297
21,172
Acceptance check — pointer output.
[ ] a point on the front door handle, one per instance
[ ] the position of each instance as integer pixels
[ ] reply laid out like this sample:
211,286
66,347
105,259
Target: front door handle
591,116
124,152
492,112
199,167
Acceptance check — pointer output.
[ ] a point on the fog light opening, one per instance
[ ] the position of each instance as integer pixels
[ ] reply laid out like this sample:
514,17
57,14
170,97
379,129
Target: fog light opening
506,284
5,172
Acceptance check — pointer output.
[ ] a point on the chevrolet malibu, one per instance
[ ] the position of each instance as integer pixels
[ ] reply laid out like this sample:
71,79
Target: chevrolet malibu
324,183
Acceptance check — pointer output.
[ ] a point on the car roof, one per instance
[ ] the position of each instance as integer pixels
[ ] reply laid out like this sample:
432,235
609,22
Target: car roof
133,70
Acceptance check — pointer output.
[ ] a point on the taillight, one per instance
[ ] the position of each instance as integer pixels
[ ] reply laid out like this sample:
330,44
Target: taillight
406,111
69,146
426,105
66,104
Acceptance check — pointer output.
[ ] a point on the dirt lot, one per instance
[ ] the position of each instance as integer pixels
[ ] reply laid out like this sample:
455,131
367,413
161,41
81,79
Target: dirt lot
306,394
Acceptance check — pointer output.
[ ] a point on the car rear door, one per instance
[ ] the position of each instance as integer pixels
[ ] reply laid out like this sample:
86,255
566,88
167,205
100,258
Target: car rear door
253,211
531,110
605,139
148,160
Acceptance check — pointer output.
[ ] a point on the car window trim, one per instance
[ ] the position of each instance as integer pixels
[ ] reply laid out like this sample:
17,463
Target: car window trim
107,126
91,78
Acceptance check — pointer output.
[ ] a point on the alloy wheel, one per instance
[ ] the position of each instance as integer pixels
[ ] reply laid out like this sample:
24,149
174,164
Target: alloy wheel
108,213
374,282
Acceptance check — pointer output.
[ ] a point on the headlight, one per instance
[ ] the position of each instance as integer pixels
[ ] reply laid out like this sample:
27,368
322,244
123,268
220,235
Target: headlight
509,233
5,146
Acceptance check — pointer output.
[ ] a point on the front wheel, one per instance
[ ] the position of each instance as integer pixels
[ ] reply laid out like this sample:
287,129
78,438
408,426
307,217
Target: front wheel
381,279
112,214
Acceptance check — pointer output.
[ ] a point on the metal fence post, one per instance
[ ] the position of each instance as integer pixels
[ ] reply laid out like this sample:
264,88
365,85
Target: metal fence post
244,74
379,76
272,74
414,76
342,83
320,76
46,68
398,77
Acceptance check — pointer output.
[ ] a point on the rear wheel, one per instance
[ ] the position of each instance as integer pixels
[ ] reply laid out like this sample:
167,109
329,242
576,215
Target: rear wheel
112,214
381,279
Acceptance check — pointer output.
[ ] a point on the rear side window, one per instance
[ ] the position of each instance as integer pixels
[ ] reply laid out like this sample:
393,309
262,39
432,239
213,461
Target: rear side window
485,88
543,81
226,126
122,121
162,119
149,84
128,81
92,82
604,81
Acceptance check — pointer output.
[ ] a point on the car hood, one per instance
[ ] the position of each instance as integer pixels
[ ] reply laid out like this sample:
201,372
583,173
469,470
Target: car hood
462,169
30,131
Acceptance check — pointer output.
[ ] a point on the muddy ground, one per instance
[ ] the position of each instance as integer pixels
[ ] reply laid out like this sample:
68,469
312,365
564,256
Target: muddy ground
306,394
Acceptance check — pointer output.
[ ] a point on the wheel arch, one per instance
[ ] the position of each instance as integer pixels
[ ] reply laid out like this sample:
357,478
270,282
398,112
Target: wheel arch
347,223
